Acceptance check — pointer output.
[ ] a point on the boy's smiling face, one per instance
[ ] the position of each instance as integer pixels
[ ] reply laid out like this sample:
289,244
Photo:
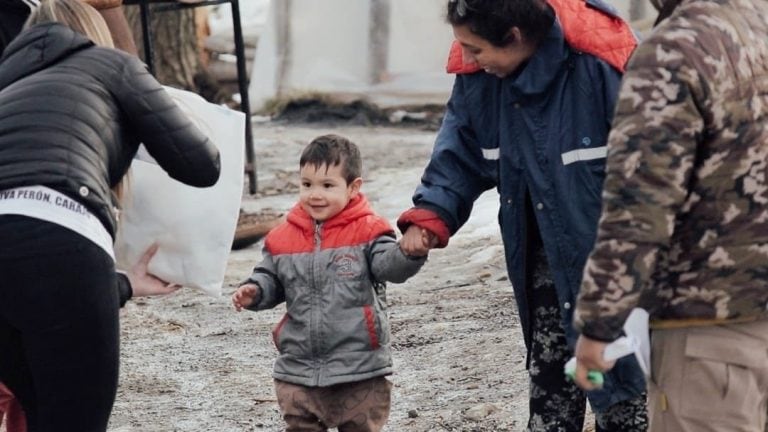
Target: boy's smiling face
324,191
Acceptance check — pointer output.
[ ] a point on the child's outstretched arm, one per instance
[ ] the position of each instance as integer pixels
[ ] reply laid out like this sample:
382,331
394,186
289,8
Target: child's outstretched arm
390,263
269,292
245,296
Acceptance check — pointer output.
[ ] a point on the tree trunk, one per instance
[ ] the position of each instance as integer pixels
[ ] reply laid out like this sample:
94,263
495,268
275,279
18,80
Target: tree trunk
637,10
379,41
174,43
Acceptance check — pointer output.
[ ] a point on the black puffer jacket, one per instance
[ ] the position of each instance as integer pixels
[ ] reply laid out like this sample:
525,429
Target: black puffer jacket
72,116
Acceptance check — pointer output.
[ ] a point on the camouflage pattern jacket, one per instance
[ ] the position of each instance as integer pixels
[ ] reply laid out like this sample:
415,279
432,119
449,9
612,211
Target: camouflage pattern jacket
684,228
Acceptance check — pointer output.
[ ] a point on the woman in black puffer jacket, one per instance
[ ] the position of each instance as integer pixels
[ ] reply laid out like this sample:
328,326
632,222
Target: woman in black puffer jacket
72,115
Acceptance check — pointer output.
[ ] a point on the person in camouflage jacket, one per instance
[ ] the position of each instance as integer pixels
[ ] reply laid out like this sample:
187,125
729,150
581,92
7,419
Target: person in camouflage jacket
684,226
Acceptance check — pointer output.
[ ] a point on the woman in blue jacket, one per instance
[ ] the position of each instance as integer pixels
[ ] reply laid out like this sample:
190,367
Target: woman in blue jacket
530,116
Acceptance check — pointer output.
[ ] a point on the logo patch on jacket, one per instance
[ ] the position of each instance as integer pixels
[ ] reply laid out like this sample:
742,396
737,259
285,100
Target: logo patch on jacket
346,266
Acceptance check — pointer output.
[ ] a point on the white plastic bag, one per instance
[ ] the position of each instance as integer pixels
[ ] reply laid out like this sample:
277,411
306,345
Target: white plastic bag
194,227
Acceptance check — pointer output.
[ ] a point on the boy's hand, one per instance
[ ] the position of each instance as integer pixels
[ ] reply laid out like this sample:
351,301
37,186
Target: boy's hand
417,241
245,296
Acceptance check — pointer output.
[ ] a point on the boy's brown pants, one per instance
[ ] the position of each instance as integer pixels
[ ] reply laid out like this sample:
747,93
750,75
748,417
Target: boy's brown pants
361,406
709,379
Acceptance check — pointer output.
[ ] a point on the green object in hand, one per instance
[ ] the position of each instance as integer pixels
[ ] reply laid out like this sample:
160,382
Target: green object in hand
595,377
617,349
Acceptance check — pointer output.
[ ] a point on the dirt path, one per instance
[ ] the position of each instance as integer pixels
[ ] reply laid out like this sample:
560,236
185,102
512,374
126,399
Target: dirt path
190,363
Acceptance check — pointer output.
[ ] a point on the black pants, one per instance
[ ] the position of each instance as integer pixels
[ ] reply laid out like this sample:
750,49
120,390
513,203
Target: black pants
556,404
59,329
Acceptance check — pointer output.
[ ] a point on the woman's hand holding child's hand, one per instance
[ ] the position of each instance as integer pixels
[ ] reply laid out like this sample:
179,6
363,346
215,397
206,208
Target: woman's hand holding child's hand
245,296
417,241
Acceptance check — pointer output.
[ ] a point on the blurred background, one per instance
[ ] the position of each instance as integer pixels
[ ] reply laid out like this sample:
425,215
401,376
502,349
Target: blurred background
342,62
389,53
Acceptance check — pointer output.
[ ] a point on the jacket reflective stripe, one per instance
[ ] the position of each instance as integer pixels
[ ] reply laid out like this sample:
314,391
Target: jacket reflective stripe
584,154
491,154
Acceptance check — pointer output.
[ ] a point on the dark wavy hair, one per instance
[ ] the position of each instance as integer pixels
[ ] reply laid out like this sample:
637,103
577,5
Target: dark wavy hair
331,150
492,19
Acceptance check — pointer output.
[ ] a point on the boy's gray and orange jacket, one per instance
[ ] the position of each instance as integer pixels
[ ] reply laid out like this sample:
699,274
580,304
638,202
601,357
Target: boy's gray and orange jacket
332,276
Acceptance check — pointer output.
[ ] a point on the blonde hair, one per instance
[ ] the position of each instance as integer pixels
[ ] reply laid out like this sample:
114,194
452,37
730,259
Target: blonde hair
75,14
84,19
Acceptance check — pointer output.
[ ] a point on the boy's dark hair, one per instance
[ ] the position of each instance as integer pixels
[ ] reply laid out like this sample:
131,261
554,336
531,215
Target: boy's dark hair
332,150
492,19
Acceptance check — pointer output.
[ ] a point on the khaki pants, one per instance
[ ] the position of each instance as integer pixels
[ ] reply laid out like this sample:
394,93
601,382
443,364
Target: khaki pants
709,379
361,406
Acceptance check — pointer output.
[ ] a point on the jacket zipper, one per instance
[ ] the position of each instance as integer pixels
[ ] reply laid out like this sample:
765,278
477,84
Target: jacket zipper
314,325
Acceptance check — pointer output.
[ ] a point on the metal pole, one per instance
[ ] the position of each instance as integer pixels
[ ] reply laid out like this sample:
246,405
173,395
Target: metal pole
242,74
146,35
245,103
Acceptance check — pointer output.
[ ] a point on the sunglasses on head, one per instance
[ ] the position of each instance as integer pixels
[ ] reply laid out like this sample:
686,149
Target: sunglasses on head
461,7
